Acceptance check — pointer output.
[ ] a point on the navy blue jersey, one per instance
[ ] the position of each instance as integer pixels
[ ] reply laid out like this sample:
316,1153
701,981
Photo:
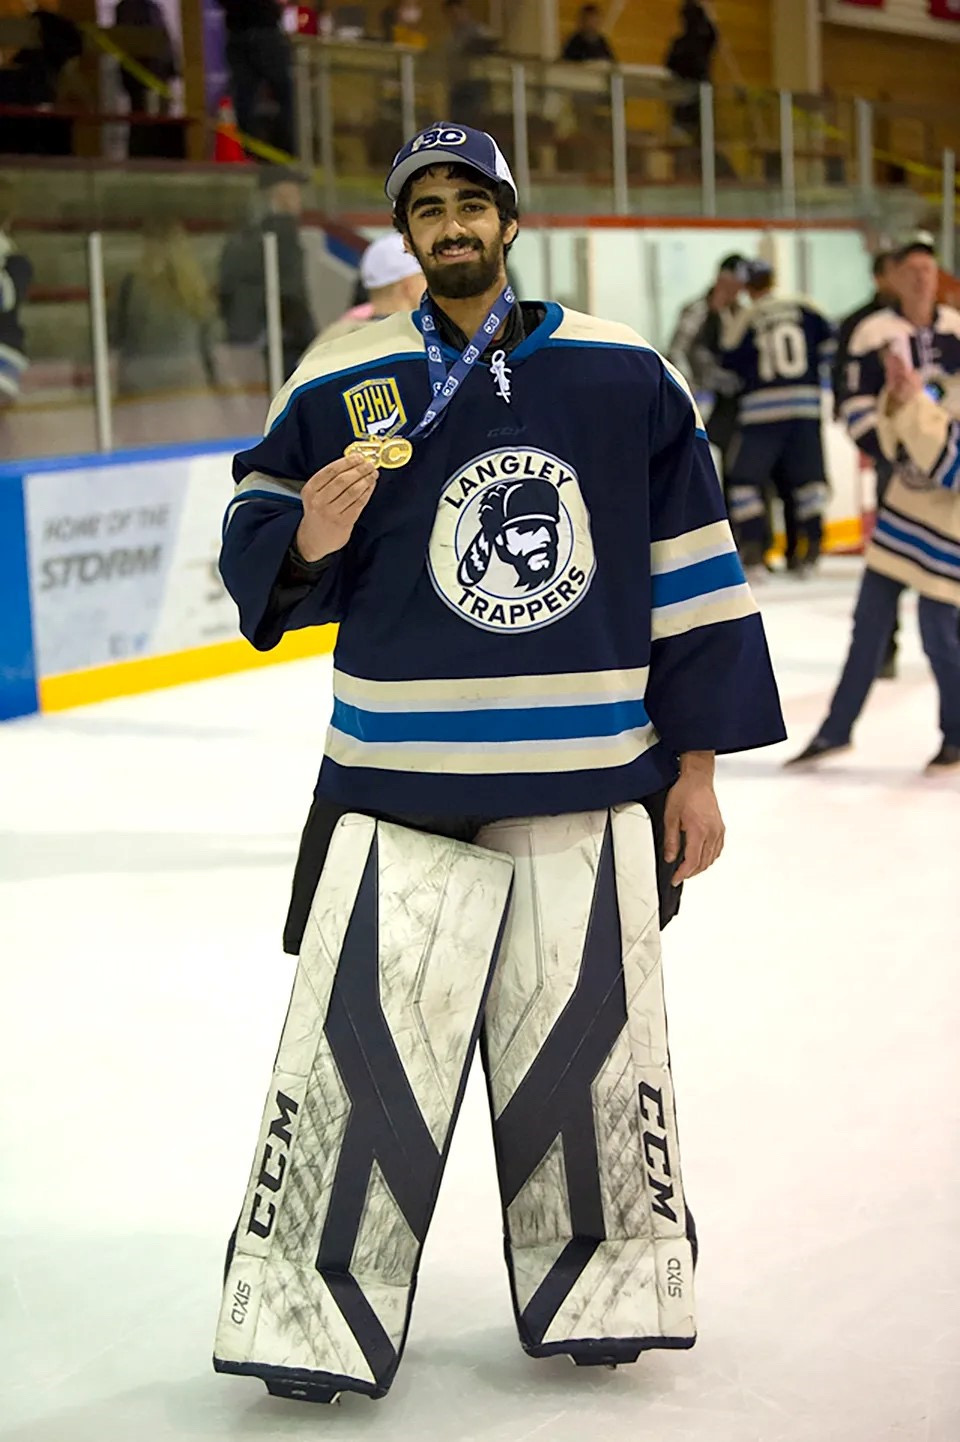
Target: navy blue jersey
934,351
788,453
778,348
537,613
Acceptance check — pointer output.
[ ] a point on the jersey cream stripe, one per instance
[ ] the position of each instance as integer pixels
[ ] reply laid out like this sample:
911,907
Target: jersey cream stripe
730,605
781,413
252,487
374,345
691,547
257,481
500,758
579,688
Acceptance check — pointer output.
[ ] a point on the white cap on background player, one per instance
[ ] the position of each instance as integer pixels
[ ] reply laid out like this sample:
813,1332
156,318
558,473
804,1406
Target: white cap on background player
385,262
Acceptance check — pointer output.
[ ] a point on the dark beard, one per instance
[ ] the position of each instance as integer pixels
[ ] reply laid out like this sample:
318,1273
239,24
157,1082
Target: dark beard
467,278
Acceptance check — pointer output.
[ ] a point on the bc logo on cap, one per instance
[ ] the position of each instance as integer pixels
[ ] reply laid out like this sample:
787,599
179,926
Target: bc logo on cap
430,139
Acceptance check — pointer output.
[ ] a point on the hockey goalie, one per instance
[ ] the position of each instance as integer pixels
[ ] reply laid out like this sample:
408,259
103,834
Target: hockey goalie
545,638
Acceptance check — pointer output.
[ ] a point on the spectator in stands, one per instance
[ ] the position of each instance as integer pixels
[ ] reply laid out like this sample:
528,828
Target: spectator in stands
312,18
690,57
588,41
392,280
16,273
147,16
400,24
242,284
36,77
259,54
696,339
164,316
469,96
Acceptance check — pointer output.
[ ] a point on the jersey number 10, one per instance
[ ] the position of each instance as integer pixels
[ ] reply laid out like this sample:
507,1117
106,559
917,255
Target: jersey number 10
783,352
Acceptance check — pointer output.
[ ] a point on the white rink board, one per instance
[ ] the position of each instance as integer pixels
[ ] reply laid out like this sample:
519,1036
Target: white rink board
123,559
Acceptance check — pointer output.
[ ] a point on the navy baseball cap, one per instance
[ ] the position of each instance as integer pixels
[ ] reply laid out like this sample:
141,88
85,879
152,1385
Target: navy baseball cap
758,271
445,143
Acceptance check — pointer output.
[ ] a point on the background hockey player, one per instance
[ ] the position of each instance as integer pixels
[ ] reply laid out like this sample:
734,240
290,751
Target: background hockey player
903,406
884,269
693,347
545,638
778,348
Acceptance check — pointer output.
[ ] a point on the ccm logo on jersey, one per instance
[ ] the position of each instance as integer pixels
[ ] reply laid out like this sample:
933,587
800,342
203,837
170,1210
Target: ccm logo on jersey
511,548
273,1166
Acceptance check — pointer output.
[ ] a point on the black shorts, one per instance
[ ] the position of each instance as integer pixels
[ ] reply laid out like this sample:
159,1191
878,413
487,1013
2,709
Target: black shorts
787,453
325,814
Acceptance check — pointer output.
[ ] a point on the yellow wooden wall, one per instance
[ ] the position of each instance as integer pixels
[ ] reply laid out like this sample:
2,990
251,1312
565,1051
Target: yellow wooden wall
911,71
643,33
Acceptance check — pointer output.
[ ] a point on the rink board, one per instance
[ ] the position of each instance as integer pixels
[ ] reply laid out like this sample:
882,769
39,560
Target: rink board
108,578
109,583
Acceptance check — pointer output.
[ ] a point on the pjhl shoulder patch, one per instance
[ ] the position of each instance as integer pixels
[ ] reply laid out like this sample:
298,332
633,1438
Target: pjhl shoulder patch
374,407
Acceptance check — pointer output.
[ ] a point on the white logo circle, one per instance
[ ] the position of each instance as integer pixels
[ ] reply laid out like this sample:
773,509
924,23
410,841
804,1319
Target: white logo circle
430,139
511,548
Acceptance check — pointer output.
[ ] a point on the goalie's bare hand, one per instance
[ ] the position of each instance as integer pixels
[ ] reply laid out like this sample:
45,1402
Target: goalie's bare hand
693,816
333,500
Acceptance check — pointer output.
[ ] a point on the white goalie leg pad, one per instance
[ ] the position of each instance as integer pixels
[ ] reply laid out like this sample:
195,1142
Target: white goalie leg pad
394,968
575,1045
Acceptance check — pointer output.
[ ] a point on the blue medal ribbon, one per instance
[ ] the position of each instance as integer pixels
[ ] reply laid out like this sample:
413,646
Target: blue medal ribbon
443,384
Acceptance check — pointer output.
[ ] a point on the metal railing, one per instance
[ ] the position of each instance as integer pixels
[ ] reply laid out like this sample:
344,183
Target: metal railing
620,139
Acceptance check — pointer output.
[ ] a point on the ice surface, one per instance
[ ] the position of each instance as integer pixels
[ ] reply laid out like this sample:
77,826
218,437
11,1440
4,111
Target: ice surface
146,848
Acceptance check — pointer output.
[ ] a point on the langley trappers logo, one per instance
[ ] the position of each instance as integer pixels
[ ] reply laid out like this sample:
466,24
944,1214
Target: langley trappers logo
511,548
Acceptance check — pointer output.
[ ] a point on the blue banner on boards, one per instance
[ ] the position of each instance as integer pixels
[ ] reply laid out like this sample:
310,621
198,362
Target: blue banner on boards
18,679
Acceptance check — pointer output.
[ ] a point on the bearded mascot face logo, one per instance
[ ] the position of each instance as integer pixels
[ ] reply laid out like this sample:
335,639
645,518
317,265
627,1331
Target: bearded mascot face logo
511,548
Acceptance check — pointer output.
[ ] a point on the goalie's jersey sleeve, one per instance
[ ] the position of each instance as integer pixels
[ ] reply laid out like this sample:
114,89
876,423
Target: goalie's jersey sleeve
542,609
779,349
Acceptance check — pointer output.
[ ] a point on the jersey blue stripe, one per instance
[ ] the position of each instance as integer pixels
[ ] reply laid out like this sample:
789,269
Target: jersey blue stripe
885,527
716,574
537,723
636,345
949,480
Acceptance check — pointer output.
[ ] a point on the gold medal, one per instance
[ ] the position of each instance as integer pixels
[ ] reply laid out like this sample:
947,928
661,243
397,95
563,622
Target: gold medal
388,453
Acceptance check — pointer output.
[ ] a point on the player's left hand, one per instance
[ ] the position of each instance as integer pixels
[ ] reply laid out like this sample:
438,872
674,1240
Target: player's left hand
692,810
